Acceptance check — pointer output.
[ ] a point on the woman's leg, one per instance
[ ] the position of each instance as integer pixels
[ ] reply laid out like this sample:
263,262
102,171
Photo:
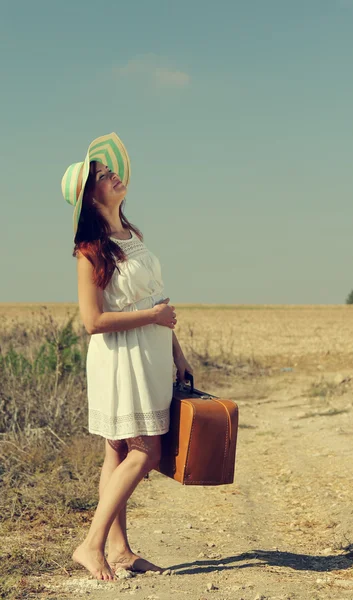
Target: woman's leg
115,453
144,455
120,554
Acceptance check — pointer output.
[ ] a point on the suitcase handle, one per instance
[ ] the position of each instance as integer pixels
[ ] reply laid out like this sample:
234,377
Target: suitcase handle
190,389
188,377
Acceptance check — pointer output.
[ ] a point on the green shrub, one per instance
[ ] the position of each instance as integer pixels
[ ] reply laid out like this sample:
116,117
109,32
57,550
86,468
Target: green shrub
42,379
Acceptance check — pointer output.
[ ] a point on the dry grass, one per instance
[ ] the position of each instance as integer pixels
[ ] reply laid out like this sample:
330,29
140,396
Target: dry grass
49,467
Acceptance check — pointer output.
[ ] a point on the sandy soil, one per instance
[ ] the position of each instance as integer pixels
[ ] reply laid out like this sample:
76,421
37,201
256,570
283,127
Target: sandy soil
283,530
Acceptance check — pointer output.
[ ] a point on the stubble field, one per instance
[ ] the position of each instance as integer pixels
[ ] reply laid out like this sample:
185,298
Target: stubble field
284,529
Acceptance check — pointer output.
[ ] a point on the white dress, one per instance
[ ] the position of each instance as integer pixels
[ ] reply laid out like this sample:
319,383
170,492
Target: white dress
130,373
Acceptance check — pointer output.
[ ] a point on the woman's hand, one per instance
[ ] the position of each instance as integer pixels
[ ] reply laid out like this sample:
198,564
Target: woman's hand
182,365
164,314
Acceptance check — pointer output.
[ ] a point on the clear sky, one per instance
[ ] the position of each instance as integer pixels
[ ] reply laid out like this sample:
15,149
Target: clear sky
238,118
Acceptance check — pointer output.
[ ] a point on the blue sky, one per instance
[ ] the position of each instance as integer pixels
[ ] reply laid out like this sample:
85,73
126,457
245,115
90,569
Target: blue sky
238,118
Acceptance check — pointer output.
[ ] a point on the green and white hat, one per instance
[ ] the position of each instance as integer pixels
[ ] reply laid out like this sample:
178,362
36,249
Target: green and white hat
108,150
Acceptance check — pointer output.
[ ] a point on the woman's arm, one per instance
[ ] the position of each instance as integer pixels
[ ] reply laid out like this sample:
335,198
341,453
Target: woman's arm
177,351
90,300
180,361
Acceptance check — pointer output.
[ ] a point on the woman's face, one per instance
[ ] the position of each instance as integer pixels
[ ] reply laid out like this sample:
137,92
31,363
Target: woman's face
108,189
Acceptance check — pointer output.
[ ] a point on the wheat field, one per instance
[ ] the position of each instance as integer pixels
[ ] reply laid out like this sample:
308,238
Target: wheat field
273,335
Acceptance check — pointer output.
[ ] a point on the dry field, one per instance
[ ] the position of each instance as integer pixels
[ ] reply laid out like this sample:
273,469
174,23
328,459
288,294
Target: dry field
283,530
272,335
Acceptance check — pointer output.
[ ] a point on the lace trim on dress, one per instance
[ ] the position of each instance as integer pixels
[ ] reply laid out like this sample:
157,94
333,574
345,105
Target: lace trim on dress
132,425
132,247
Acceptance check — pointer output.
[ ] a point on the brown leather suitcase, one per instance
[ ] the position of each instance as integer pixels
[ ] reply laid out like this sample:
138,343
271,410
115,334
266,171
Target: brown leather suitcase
199,448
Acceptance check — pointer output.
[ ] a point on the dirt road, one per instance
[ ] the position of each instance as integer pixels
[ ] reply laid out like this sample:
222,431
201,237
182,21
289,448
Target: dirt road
283,530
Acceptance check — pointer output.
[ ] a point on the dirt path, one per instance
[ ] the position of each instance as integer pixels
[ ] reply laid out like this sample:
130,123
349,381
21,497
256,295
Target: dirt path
283,530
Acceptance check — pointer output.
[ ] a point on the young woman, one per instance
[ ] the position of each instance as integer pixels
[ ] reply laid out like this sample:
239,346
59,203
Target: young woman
131,350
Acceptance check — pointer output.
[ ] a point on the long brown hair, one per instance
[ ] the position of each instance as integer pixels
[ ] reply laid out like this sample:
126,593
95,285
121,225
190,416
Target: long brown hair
92,236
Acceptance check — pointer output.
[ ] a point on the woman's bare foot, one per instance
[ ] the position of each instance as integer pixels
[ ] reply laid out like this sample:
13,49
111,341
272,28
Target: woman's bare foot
131,562
94,561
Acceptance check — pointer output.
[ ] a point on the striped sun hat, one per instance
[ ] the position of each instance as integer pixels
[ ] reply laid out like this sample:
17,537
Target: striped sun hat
108,150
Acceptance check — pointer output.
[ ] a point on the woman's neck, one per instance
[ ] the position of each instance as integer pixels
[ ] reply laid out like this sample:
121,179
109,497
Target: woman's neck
114,220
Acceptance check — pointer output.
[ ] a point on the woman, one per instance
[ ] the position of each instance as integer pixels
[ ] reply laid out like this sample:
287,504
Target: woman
131,350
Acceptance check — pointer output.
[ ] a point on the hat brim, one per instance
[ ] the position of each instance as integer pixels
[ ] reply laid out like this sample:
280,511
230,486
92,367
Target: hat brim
111,152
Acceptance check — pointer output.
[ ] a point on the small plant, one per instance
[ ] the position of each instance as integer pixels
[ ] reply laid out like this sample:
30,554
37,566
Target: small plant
328,389
15,363
323,389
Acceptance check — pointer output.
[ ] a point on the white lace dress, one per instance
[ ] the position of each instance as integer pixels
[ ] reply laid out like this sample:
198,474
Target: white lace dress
130,373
